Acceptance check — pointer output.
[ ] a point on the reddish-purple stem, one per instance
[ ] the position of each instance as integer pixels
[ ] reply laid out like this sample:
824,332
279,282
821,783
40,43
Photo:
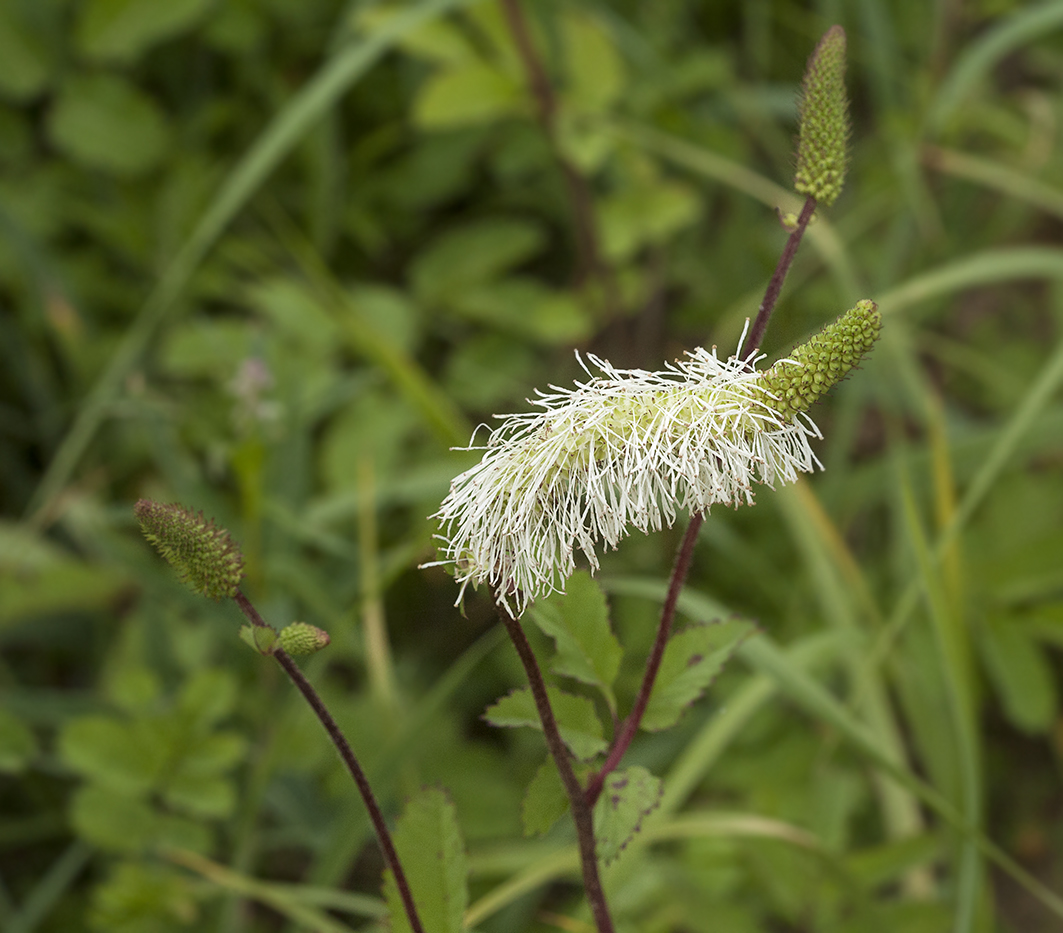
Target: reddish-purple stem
627,732
771,295
339,740
581,809
686,548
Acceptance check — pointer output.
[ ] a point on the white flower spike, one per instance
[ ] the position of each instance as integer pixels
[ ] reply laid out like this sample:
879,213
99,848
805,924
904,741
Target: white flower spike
630,449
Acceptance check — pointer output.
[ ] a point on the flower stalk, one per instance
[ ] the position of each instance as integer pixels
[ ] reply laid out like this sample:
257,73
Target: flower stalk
207,559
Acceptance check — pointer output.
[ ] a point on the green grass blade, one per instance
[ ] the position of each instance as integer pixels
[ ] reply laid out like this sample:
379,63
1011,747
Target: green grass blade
278,139
955,661
1002,178
1035,401
985,268
981,56
53,885
298,903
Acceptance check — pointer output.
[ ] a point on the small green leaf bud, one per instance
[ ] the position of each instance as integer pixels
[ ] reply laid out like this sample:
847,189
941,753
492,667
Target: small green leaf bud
795,384
303,638
822,146
204,555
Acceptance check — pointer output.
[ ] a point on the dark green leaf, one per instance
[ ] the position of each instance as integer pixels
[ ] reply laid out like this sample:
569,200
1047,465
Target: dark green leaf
17,743
106,123
24,63
117,754
545,801
121,30
472,254
1021,673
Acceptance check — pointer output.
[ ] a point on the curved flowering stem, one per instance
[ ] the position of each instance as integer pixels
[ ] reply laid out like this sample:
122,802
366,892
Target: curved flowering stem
684,555
207,559
822,157
581,807
771,295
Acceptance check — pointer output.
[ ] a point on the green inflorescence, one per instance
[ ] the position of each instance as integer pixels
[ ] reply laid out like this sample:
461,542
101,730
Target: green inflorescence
303,638
795,384
204,555
822,147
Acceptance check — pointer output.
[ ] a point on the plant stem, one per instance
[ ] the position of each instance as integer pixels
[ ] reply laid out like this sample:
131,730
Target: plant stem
631,725
339,740
771,295
581,809
686,548
579,194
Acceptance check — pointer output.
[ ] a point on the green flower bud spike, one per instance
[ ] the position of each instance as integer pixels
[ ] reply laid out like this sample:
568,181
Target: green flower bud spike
822,146
204,555
796,383
303,638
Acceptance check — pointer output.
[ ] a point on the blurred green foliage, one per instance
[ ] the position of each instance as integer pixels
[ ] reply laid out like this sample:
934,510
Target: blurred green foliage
273,259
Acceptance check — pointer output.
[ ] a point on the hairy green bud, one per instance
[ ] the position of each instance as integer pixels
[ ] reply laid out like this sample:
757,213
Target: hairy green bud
822,146
204,555
795,384
303,638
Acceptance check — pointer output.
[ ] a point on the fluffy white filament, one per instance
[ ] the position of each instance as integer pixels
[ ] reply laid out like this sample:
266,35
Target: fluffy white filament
628,448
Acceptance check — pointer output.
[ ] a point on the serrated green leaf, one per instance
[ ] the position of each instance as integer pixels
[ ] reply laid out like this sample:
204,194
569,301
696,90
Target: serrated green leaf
1021,673
578,722
18,745
121,30
627,797
545,800
691,662
578,622
104,122
430,848
113,753
467,93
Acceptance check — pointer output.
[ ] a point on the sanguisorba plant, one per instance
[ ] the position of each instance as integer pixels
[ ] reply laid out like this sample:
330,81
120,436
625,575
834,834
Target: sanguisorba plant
627,449
630,449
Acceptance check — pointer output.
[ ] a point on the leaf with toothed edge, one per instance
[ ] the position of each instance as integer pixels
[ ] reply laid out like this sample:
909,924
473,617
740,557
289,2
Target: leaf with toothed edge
579,725
578,622
429,844
692,660
627,797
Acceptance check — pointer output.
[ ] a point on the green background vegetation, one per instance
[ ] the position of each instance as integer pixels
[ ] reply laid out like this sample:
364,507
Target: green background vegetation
273,258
